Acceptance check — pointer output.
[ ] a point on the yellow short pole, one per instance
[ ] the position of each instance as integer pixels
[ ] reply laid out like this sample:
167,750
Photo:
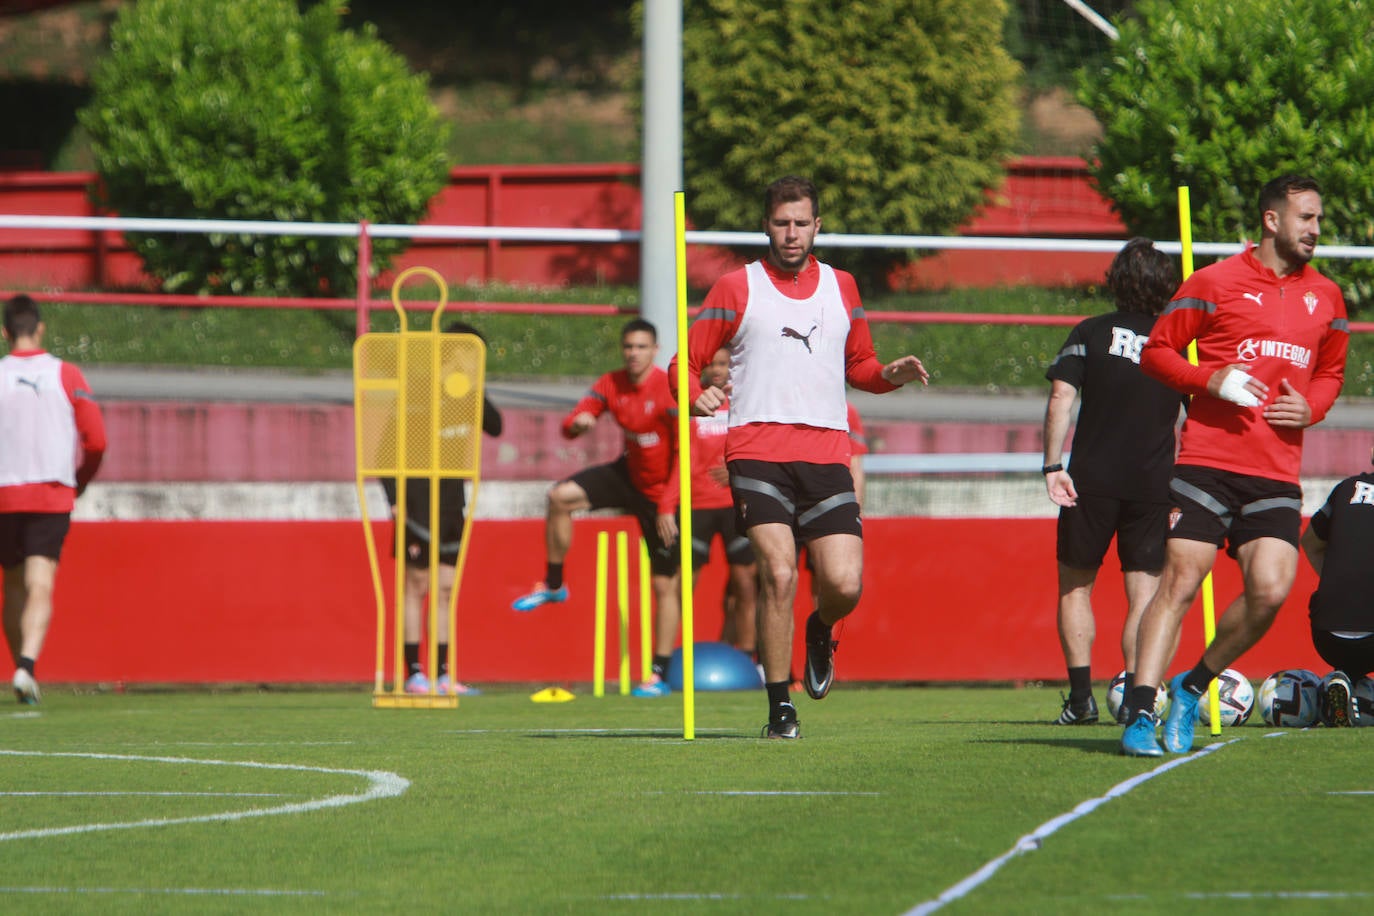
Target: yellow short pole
599,643
646,614
622,598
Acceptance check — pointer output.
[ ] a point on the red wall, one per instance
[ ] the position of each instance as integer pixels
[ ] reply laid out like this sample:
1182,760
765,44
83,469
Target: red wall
945,600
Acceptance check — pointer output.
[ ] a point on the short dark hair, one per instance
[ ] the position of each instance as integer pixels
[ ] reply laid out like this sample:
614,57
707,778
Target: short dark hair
1142,278
462,327
1275,193
21,317
788,189
638,324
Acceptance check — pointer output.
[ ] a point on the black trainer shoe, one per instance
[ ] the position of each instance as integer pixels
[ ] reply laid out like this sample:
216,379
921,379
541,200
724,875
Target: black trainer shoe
790,728
820,662
1077,713
1335,701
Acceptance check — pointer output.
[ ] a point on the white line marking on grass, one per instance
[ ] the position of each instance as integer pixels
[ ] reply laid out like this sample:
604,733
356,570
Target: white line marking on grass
776,792
177,891
381,784
26,714
1352,792
1249,895
1031,841
706,896
153,794
586,731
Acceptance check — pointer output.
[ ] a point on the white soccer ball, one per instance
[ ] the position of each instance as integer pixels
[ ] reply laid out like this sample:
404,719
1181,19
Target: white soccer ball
1288,698
1116,696
1237,699
1364,695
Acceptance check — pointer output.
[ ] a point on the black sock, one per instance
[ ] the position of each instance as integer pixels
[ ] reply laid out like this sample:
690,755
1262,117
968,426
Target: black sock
443,658
412,654
1080,682
553,576
1130,682
27,664
1196,681
780,708
661,663
1141,699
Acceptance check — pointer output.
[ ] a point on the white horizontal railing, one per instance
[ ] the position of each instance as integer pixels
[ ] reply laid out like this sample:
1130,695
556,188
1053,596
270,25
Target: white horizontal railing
614,236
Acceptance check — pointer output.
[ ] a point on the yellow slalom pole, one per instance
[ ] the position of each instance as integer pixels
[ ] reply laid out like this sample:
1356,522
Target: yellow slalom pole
622,603
684,465
646,616
1209,610
599,638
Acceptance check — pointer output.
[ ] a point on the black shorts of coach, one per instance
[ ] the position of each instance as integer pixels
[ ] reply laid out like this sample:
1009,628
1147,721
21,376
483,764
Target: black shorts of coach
1227,509
32,534
1085,533
608,486
814,500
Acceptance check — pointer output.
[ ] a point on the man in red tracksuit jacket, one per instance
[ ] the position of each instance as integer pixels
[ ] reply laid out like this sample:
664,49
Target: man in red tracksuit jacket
1271,342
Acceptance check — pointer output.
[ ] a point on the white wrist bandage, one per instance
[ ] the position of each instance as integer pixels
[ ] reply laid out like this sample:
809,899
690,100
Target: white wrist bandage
1233,389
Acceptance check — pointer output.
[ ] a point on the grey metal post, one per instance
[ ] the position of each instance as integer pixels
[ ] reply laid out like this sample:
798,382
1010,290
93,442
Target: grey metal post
662,168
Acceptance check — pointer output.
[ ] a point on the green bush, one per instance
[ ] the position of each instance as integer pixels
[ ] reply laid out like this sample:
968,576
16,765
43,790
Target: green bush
246,109
1223,95
902,111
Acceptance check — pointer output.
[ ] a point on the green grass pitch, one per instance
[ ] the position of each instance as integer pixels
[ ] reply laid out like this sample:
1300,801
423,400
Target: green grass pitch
139,803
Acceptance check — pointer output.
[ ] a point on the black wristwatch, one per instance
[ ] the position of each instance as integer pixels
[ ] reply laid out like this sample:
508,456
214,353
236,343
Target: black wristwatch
1051,468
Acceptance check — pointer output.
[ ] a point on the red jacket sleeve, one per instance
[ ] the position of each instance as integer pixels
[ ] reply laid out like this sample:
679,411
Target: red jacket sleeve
1329,372
594,402
861,366
1162,356
90,424
715,325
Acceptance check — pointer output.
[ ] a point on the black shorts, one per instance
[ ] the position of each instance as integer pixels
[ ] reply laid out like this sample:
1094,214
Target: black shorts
608,486
32,534
1227,509
814,500
706,525
1086,530
1355,657
417,541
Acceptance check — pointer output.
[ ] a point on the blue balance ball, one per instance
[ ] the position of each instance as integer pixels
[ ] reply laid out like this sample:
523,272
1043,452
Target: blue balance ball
718,666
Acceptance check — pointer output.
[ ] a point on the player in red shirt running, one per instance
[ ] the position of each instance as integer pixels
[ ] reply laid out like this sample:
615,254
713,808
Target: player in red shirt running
1271,341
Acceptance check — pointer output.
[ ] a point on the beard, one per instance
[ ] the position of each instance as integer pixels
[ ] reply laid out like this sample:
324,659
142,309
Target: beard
1293,251
777,257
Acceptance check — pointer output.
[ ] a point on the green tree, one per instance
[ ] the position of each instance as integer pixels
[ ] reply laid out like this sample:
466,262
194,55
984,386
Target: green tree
1223,95
902,111
247,109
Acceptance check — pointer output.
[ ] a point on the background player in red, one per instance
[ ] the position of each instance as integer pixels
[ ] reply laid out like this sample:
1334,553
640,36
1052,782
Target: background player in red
639,399
1117,481
713,515
52,440
1271,342
797,333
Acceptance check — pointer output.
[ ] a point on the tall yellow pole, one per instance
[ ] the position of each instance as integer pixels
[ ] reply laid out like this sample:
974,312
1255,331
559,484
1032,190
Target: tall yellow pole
684,455
1209,611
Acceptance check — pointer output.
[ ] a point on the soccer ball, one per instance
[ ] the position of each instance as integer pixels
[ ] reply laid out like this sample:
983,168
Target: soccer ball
1116,696
1237,699
1289,698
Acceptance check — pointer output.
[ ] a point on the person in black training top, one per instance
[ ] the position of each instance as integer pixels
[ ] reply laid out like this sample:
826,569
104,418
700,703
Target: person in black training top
1117,479
1337,543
